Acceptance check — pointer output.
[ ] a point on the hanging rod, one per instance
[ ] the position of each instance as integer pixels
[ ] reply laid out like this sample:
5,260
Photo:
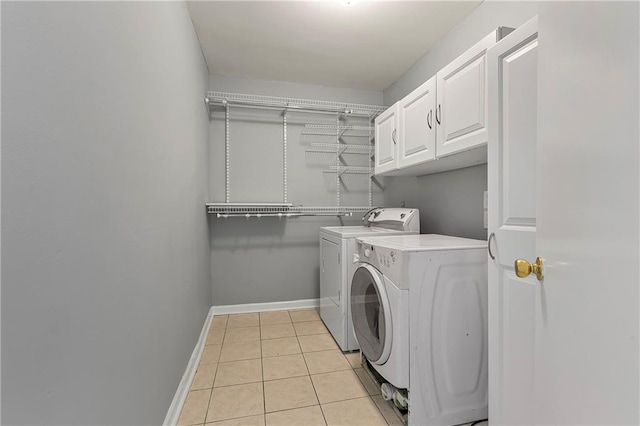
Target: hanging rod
279,215
239,99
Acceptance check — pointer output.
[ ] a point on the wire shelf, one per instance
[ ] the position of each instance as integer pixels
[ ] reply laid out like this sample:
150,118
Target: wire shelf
225,98
348,169
224,210
333,131
332,148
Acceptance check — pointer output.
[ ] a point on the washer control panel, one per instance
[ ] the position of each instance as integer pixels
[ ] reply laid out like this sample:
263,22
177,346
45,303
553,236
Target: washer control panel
386,260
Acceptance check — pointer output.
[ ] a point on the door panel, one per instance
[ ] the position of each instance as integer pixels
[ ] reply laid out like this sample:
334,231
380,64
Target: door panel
462,100
417,137
513,301
386,138
519,327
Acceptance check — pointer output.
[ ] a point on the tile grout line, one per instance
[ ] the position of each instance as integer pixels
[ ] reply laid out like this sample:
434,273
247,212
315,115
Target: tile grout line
206,413
264,390
311,380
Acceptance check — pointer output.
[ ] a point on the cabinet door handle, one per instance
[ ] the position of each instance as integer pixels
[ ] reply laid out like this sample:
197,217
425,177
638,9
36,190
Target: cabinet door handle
393,136
491,237
438,115
429,115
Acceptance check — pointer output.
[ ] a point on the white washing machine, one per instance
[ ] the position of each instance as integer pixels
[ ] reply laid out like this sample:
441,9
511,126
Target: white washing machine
337,265
436,290
380,314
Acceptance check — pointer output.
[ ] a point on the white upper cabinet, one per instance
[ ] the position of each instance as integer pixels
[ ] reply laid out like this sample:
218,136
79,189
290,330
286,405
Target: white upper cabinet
386,140
444,116
417,136
462,100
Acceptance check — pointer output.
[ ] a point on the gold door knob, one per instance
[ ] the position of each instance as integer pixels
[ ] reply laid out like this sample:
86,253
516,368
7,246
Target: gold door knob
524,268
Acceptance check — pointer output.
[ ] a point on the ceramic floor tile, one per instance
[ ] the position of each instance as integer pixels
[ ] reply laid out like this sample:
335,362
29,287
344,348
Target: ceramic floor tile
236,401
310,327
338,386
204,376
238,372
372,387
354,359
242,421
277,331
236,351
215,336
326,361
308,416
210,354
243,334
317,342
287,394
243,320
219,321
194,409
387,411
282,367
277,347
275,317
360,411
304,315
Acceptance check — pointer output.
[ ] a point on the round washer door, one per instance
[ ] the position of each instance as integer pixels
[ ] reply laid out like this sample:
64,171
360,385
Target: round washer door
371,314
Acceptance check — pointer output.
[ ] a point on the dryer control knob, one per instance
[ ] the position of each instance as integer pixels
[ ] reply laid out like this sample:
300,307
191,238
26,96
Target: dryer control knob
367,253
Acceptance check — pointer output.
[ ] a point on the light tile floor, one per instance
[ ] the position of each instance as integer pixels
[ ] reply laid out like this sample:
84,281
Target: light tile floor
280,368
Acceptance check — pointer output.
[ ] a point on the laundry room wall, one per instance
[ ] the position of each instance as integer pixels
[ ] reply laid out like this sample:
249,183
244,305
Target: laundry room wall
105,255
451,202
269,259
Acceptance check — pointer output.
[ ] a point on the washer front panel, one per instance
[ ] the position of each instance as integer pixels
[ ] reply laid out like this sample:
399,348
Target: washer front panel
371,314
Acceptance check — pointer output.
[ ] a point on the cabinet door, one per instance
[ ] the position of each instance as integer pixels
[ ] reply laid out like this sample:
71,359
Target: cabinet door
462,100
417,136
386,140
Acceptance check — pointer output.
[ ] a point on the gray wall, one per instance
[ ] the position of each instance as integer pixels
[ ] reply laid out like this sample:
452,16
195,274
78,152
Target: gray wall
105,266
269,260
451,202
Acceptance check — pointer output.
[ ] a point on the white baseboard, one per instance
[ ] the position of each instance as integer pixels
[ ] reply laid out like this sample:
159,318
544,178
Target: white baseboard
261,307
171,419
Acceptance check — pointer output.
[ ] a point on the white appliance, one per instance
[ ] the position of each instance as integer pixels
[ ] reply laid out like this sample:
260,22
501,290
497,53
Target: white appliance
337,265
380,313
433,323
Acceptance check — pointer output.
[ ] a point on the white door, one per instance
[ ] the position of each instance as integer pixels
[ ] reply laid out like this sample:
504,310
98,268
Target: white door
417,137
588,186
565,350
514,302
462,100
386,140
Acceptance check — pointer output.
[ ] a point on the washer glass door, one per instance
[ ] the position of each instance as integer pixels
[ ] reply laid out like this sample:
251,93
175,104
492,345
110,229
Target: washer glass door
369,311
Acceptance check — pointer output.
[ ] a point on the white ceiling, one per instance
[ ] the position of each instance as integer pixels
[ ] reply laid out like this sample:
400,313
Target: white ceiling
365,45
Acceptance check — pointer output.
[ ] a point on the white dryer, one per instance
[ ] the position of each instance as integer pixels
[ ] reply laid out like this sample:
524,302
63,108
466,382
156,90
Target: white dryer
337,265
436,290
